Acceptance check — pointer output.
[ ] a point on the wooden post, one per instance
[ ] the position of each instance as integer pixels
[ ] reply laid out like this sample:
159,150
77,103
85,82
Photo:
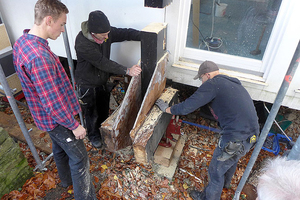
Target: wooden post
153,44
148,135
115,129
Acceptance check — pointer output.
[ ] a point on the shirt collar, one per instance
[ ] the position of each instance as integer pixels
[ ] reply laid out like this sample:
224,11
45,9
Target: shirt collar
97,40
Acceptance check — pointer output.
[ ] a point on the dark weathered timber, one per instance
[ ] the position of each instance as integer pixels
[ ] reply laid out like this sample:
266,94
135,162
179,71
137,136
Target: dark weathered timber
157,3
153,128
153,47
116,128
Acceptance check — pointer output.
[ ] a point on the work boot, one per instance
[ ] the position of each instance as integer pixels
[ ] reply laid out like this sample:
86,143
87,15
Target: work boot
97,144
196,195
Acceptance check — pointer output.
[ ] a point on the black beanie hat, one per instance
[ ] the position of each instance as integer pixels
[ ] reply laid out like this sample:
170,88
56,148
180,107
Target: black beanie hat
98,22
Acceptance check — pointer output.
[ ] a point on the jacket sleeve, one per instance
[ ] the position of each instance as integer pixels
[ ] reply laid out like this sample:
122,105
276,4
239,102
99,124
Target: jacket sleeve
124,34
203,95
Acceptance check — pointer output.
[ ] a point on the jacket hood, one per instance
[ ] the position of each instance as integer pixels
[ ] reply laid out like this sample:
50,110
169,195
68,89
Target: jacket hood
85,31
235,80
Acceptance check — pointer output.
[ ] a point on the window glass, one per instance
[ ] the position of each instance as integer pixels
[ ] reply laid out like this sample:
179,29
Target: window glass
235,27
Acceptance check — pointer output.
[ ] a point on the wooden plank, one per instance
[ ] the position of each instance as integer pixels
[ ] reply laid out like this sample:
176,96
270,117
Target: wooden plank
107,132
4,39
116,128
155,88
153,47
40,140
152,129
163,155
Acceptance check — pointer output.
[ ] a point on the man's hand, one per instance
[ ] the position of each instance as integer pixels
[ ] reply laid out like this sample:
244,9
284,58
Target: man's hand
162,105
135,70
79,132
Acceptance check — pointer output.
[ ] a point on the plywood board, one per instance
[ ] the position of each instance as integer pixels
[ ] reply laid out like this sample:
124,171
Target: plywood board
4,39
14,83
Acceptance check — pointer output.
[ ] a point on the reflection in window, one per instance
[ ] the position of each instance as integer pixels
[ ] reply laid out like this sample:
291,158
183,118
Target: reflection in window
235,27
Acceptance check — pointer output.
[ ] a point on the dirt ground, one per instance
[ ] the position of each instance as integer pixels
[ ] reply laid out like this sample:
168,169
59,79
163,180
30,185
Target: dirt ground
117,175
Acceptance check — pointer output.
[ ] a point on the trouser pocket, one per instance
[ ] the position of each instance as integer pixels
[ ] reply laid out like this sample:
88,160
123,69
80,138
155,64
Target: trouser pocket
231,149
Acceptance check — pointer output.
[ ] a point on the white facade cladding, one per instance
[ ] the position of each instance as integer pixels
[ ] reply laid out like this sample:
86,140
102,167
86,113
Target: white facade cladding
261,77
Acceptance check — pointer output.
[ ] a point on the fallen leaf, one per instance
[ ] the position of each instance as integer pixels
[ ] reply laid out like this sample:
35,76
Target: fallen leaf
104,167
185,186
42,135
96,179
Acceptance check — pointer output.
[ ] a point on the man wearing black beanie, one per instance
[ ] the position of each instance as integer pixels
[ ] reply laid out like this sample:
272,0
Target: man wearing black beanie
94,67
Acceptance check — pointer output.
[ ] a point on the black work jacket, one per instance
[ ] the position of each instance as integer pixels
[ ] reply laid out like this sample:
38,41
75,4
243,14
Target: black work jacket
93,64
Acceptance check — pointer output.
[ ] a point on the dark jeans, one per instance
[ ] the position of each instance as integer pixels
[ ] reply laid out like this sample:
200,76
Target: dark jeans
221,172
95,107
72,162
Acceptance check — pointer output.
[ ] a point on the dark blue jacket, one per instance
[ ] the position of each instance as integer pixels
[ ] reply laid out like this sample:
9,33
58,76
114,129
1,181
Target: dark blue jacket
230,104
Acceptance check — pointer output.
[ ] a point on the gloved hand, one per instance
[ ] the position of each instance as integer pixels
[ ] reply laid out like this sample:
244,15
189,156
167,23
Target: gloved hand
162,105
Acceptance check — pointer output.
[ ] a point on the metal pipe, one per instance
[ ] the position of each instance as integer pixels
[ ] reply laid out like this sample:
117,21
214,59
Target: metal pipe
274,110
44,161
295,151
278,124
71,67
20,120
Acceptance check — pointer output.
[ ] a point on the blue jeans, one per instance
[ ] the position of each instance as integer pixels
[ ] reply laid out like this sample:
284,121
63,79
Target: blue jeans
72,162
221,172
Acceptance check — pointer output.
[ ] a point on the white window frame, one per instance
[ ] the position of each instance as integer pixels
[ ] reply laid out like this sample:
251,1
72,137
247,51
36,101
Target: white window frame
185,56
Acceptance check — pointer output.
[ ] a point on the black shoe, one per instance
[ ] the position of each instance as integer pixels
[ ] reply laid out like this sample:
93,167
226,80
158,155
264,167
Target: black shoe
196,195
97,144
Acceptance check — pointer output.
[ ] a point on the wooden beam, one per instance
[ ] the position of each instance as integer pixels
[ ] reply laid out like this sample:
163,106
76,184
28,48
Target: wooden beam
116,128
153,47
155,88
152,129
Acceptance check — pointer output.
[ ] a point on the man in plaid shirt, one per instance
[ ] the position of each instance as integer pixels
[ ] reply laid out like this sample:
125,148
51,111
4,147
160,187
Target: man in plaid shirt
50,96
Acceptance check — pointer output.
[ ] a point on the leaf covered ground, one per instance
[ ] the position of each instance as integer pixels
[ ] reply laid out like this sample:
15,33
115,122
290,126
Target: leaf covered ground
117,176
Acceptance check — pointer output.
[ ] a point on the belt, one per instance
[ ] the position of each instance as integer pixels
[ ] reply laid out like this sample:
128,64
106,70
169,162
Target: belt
252,139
